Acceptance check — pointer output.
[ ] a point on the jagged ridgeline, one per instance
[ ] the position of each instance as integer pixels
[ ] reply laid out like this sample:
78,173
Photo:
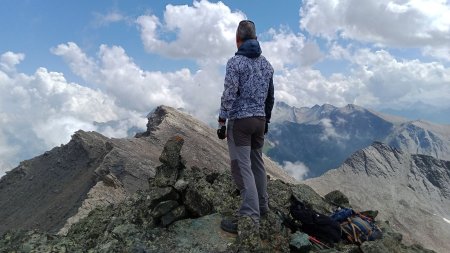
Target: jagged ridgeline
411,191
164,191
323,137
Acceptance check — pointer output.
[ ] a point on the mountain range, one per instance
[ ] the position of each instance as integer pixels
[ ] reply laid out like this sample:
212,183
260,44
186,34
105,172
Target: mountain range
105,195
322,137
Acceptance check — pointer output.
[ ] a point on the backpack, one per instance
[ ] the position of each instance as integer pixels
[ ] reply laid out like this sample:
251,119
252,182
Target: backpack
315,224
342,214
356,227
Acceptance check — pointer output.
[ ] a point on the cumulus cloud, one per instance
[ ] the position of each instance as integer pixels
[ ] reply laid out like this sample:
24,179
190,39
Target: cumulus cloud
7,152
408,23
377,80
297,170
442,53
205,31
284,48
305,86
43,110
116,74
9,60
401,83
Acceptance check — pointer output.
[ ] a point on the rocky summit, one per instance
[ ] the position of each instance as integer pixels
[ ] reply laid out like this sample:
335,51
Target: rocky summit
180,210
412,192
56,189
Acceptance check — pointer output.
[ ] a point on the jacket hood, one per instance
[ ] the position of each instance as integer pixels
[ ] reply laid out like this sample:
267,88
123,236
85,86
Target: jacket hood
250,48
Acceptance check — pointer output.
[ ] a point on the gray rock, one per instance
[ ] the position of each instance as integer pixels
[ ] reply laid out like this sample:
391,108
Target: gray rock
181,185
196,203
171,152
174,215
160,194
337,198
164,207
166,175
300,242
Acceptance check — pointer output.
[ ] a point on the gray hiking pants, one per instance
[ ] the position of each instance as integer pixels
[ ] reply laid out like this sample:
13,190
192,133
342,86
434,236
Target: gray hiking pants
245,142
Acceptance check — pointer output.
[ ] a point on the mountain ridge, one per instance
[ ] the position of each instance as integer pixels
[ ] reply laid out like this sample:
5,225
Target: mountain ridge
181,210
322,137
67,182
411,191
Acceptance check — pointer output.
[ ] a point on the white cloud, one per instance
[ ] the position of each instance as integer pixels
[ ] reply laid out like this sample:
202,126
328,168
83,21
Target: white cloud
297,170
377,80
205,32
408,23
400,83
115,73
329,131
7,152
43,110
305,87
441,53
9,60
109,18
79,62
286,48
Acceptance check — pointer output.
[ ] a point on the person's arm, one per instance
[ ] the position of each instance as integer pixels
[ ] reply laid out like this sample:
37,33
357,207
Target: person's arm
231,86
269,101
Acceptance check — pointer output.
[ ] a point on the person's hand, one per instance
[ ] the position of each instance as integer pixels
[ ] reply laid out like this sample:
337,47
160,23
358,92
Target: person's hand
266,128
222,131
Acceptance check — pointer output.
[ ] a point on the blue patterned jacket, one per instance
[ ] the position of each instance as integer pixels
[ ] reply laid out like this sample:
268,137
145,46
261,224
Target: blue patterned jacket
248,88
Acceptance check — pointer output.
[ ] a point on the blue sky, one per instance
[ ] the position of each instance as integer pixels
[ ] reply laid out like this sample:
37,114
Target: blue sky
67,64
33,27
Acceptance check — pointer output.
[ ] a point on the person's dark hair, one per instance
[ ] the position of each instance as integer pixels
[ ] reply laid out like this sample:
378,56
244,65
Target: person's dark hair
246,30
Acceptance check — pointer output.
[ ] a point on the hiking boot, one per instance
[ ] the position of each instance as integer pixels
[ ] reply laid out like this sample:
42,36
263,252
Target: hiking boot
229,225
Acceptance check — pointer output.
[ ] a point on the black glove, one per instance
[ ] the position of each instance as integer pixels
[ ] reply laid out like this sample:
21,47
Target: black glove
222,132
266,128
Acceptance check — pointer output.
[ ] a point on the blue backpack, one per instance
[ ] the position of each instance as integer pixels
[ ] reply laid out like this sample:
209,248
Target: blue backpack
356,227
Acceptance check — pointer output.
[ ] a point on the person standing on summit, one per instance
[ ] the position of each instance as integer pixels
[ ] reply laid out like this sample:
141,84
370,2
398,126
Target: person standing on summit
247,103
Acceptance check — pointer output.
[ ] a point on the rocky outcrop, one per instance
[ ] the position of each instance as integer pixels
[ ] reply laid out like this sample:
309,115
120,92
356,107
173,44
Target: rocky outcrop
412,192
168,218
58,188
203,148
